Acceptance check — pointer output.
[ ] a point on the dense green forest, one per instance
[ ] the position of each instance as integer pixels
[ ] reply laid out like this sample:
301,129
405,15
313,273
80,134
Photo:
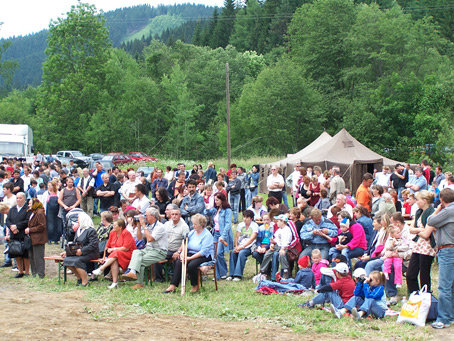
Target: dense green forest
381,70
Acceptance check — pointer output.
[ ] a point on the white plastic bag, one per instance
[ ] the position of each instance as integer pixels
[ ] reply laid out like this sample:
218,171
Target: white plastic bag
417,307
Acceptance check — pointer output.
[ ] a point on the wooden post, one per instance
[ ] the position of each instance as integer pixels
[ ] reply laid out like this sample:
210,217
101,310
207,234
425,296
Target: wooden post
228,113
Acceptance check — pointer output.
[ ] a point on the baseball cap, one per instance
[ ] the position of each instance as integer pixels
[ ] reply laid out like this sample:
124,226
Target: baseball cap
341,268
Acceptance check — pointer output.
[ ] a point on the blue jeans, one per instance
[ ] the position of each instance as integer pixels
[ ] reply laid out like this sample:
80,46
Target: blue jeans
324,250
250,193
329,297
221,264
284,198
258,256
369,306
446,285
377,265
6,257
238,261
235,204
349,254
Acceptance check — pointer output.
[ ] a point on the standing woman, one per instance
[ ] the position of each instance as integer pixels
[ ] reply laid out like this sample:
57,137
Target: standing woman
222,232
252,187
86,235
68,198
304,191
424,249
54,223
377,191
17,222
315,188
37,231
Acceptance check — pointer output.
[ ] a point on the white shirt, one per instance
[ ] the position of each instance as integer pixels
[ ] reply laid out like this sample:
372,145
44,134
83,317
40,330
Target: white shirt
283,236
382,178
141,204
278,179
346,207
295,177
129,188
26,181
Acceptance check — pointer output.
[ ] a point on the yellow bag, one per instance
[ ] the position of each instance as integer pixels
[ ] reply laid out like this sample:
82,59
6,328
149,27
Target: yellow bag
416,309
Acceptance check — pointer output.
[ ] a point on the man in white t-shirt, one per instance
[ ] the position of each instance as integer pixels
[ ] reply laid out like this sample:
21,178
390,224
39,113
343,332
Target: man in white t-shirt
275,183
382,178
341,202
128,190
293,178
141,203
26,177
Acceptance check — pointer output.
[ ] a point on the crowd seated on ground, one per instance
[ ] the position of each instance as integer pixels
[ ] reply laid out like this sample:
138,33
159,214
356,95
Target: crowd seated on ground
390,223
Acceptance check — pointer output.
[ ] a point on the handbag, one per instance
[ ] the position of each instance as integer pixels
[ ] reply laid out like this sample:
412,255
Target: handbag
292,254
16,248
27,242
417,308
72,247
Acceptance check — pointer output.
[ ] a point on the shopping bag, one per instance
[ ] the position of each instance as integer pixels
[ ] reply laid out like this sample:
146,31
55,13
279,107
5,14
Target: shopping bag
416,309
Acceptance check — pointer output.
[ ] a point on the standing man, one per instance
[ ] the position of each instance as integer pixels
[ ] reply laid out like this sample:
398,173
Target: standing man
439,176
17,182
86,188
364,194
105,192
275,183
337,185
382,177
292,182
398,179
97,175
160,181
234,189
443,221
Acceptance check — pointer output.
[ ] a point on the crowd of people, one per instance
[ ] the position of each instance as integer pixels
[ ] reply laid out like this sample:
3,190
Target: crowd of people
394,222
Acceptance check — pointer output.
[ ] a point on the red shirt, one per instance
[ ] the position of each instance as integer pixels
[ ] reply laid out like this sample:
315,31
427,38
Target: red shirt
427,175
345,287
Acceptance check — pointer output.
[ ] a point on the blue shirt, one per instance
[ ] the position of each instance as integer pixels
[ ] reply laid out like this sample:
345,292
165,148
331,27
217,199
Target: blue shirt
202,243
310,226
421,182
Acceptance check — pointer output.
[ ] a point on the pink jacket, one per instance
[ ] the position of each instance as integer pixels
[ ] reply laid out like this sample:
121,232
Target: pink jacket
359,237
316,269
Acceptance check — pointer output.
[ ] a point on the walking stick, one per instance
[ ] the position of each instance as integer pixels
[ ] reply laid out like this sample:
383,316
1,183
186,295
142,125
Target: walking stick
184,264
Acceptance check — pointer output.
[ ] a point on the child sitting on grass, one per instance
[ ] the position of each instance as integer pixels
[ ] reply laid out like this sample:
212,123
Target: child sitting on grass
369,299
305,276
317,264
337,293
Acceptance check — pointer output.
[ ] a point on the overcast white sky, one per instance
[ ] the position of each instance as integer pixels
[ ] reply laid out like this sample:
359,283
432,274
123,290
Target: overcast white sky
21,17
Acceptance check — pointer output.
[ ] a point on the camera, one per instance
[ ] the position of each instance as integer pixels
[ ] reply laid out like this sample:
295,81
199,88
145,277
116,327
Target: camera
137,217
362,279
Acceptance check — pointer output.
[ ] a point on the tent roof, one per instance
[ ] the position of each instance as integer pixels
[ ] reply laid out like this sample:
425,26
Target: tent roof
343,149
293,158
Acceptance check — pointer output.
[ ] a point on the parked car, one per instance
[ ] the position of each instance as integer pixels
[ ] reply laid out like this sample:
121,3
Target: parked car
96,156
64,156
106,164
139,156
118,159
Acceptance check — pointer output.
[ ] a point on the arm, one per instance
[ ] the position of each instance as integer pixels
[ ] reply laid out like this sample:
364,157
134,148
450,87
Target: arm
79,199
197,207
227,224
376,294
40,224
92,245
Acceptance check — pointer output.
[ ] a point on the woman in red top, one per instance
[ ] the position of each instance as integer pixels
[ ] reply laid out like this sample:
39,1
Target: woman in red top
315,187
119,247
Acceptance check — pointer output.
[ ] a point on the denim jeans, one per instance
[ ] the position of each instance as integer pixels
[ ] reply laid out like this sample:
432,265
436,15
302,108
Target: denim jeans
221,264
6,256
258,256
369,306
349,254
250,193
235,204
446,285
284,198
329,297
377,265
324,250
238,261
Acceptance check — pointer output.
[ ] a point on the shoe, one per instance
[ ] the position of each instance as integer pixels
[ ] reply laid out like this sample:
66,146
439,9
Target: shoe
223,277
15,269
79,282
137,286
398,286
236,279
93,279
26,275
6,265
336,312
439,325
392,301
306,305
113,286
85,285
19,276
228,278
168,291
125,273
285,276
130,276
355,314
97,272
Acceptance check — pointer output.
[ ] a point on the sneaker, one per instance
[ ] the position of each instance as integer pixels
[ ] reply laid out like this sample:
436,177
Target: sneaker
236,279
398,286
223,277
97,272
439,325
392,301
355,314
305,305
15,269
113,286
336,312
228,278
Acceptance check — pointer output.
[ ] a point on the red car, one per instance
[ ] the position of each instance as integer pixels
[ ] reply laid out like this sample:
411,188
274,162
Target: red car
139,156
118,159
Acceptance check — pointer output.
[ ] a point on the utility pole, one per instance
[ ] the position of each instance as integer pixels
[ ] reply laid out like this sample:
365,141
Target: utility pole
228,113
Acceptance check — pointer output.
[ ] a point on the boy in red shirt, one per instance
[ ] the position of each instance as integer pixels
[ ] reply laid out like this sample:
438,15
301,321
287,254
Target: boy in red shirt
337,293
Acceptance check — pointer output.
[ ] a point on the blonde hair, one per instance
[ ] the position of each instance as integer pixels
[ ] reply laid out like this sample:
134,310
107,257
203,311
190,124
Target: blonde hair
200,219
379,276
425,195
3,207
316,252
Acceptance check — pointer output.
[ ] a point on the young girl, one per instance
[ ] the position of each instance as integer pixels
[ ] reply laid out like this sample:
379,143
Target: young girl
220,188
208,197
264,237
393,245
317,264
369,299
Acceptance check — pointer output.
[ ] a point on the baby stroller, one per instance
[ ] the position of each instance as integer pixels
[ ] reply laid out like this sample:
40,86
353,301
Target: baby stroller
68,231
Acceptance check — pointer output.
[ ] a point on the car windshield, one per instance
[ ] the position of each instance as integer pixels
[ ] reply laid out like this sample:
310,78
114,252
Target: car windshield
143,154
108,158
77,154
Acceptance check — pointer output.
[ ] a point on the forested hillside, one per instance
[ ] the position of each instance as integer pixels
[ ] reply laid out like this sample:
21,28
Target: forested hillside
382,71
124,25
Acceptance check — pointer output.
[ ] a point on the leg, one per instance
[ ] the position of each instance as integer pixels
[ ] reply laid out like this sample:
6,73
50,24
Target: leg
233,263
31,257
283,261
307,251
39,251
82,275
424,271
445,285
320,298
20,264
387,267
324,250
412,273
390,287
267,258
335,299
114,269
108,263
284,198
193,272
397,263
136,260
373,265
353,302
150,257
90,206
371,307
221,264
73,270
356,252
275,263
176,278
83,205
258,256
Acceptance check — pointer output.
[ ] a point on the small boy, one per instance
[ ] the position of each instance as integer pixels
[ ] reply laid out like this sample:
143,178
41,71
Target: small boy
263,238
32,190
337,293
305,276
278,249
317,264
343,238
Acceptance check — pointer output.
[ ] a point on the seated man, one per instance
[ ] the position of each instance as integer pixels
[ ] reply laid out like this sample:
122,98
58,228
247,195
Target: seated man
177,229
192,203
316,233
141,203
155,250
341,202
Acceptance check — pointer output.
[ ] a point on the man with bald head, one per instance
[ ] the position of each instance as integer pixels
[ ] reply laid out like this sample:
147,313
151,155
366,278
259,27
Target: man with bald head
128,190
105,192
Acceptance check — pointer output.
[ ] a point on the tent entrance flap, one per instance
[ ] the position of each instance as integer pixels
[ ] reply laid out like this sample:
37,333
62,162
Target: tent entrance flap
360,167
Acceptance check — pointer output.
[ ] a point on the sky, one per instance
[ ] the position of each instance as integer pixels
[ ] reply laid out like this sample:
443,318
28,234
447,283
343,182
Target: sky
21,17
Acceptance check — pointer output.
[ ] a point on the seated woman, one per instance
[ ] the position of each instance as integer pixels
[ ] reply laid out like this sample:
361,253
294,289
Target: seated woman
257,208
200,250
162,200
273,203
86,235
119,247
132,226
246,234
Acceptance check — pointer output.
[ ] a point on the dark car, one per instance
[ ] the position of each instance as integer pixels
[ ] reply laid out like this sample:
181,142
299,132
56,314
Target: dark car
139,156
96,156
106,164
118,159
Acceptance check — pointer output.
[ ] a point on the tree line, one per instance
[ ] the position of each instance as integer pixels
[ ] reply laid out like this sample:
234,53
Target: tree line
376,69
